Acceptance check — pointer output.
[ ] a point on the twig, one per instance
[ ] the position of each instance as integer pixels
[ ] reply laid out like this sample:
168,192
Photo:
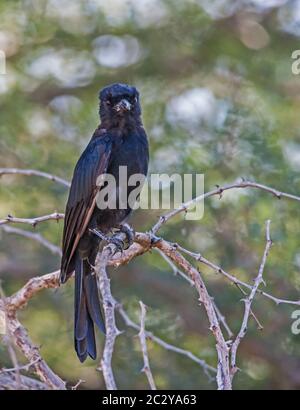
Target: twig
222,319
259,325
32,221
8,341
206,368
223,371
7,382
33,286
175,269
146,369
136,250
248,301
144,243
51,280
179,272
25,367
199,258
31,352
75,387
30,172
109,313
35,236
19,334
219,191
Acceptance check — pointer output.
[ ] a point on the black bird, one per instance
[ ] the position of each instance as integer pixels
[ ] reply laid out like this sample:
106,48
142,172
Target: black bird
120,140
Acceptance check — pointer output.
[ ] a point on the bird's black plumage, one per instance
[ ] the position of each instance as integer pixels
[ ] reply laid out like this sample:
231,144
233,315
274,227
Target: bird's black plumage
120,140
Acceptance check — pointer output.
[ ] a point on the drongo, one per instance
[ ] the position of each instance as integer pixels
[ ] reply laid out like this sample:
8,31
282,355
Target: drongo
119,141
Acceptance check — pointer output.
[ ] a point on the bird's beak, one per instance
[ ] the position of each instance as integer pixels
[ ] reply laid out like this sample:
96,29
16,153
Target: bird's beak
123,105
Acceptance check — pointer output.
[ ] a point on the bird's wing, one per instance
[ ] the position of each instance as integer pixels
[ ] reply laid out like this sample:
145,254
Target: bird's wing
82,197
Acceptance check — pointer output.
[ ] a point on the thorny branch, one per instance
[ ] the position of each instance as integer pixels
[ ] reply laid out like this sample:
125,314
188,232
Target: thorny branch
142,335
30,351
173,254
30,172
219,192
51,280
109,314
179,272
8,342
19,335
7,382
248,301
35,236
32,221
201,259
223,371
206,368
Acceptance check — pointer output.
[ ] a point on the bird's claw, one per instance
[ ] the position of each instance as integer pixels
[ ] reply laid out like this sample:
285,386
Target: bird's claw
129,232
119,244
100,234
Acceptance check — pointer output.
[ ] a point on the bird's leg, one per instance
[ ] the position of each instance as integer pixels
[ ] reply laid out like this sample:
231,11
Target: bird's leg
100,234
129,232
119,244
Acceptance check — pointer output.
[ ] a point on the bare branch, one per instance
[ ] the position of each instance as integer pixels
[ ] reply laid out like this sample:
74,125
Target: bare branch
32,221
51,280
142,335
75,387
8,341
219,191
172,253
31,352
223,371
18,334
175,269
248,301
35,236
30,172
206,368
25,367
7,382
222,319
12,354
179,272
201,259
109,313
259,325
136,249
144,243
33,286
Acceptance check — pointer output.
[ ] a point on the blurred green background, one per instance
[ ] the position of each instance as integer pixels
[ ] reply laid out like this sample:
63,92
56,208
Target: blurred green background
219,98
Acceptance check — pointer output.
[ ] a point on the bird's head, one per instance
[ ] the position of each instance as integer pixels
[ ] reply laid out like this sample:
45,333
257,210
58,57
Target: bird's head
119,102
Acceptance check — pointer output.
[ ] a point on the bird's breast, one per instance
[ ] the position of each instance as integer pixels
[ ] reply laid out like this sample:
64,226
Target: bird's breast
130,152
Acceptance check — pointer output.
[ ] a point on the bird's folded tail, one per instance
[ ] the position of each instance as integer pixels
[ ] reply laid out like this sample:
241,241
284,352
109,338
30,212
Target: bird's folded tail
87,310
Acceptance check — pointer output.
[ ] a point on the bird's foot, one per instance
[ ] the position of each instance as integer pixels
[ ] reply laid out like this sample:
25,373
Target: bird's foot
100,234
129,232
113,239
119,243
